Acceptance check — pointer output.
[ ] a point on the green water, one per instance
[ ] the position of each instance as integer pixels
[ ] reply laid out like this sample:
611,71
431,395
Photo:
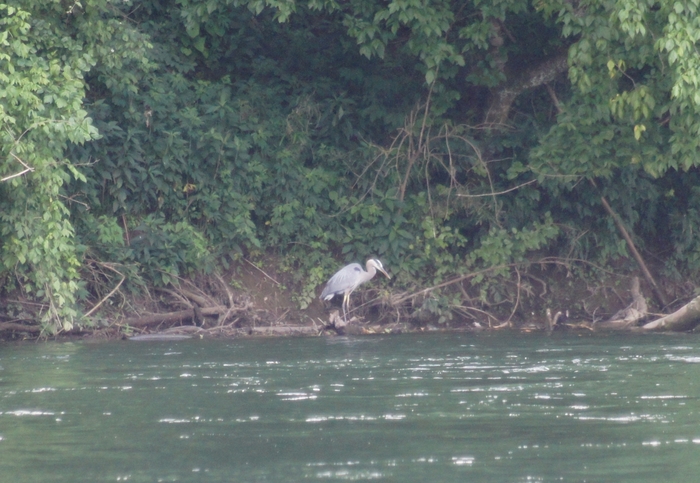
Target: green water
430,408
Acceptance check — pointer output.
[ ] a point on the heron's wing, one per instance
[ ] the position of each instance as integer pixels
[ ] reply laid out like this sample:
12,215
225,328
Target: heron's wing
344,279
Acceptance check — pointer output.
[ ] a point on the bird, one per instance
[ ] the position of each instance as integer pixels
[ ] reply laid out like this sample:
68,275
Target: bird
348,278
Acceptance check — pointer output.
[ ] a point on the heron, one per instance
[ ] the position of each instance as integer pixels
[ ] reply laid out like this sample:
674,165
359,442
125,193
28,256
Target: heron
348,278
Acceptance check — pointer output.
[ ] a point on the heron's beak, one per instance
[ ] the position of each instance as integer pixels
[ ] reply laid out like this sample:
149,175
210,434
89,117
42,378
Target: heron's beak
384,272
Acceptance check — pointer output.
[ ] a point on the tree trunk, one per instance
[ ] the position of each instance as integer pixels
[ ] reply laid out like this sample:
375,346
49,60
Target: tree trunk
534,76
630,315
682,320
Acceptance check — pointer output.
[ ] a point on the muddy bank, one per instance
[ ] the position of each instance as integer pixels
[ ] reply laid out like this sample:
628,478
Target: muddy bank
252,300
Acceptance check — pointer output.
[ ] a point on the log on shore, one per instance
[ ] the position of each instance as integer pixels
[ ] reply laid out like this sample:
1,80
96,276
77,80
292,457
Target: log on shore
172,317
284,330
682,320
159,337
17,327
631,315
230,331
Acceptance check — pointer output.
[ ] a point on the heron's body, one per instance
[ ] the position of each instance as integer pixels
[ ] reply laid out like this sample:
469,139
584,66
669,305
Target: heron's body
348,278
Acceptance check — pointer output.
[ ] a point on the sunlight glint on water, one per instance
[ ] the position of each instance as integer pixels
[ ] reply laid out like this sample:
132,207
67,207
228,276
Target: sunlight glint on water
436,408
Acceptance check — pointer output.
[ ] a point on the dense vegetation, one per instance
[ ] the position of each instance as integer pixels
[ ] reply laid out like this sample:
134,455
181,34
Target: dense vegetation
142,141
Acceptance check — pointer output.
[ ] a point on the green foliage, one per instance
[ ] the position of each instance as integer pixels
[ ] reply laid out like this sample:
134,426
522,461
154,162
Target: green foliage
503,247
638,98
159,137
164,251
41,93
206,165
152,251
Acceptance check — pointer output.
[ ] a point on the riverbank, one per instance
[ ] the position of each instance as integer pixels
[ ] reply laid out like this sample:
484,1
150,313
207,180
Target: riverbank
260,300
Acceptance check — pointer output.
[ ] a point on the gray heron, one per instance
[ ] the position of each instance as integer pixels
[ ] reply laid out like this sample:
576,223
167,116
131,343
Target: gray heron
348,278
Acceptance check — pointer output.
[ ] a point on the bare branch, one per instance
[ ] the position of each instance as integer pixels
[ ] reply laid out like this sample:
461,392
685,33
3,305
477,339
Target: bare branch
500,192
27,169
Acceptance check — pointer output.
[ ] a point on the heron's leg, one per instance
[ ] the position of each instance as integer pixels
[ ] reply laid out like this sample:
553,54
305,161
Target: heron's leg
346,299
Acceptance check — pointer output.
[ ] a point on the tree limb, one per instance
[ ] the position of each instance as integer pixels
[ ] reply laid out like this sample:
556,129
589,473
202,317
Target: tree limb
684,319
640,261
537,75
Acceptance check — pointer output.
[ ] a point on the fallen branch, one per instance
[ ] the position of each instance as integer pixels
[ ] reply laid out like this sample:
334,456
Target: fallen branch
171,317
289,330
658,295
260,270
34,329
203,301
445,284
544,261
684,319
231,331
181,298
106,297
630,315
231,305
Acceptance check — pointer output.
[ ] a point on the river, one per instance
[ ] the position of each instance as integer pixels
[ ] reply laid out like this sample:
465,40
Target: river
410,408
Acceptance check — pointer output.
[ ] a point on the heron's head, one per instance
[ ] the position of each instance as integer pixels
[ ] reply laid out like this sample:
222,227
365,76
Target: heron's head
373,262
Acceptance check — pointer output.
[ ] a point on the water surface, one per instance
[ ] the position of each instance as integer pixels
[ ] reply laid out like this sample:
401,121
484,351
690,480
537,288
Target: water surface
411,408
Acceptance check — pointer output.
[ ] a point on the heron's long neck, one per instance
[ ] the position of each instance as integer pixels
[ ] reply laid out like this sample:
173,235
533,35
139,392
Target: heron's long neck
371,272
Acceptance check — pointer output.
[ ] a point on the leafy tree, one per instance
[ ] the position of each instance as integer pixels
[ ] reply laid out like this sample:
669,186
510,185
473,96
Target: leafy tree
443,136
46,52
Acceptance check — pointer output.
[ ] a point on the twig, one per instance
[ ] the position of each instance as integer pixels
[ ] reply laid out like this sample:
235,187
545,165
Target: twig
26,170
183,300
555,99
466,312
517,299
499,193
222,318
107,266
281,316
17,174
449,282
261,270
203,301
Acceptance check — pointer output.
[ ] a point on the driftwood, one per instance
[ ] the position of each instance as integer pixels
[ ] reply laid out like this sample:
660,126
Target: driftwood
33,329
231,331
552,320
684,319
159,337
343,327
287,330
630,315
199,305
173,317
